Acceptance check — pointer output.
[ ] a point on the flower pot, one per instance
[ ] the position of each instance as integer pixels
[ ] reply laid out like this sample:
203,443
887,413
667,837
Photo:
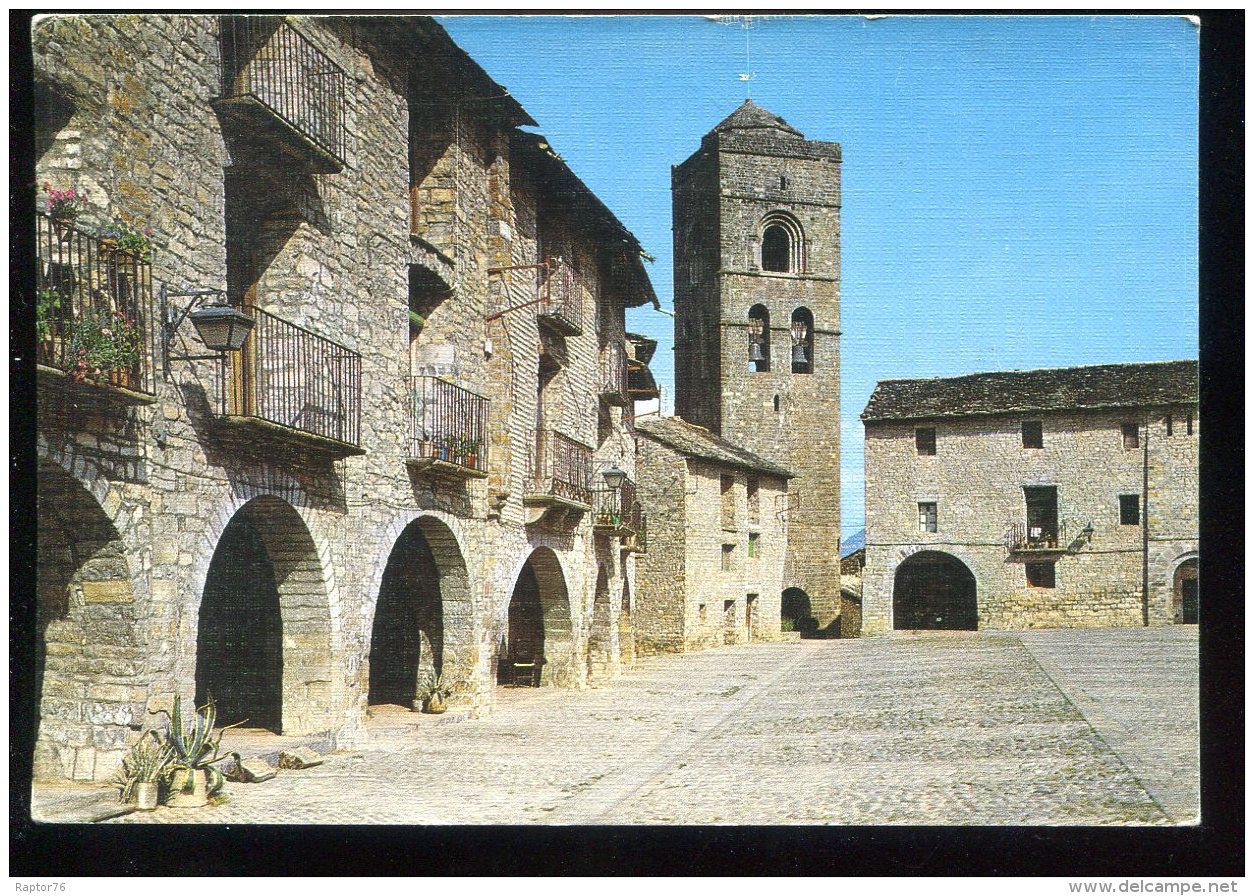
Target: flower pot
434,704
146,796
194,798
472,461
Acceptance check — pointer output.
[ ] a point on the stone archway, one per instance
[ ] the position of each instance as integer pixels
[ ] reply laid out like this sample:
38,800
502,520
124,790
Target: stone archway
422,620
539,639
933,590
264,640
1184,593
794,609
83,596
599,643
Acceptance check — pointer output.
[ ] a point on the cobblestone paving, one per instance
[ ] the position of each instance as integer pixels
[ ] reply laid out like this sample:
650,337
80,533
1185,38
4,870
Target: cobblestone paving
917,729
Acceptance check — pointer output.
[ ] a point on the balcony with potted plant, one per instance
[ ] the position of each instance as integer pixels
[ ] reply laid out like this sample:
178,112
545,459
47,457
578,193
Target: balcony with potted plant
448,430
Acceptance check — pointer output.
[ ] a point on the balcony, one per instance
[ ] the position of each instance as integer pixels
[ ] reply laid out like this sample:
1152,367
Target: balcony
614,507
559,477
1042,542
278,86
293,386
93,315
612,375
448,428
561,297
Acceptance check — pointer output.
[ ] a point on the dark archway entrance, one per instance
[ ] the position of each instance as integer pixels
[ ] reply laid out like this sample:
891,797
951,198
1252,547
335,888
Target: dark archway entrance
239,646
264,639
1184,593
538,642
794,608
407,641
935,591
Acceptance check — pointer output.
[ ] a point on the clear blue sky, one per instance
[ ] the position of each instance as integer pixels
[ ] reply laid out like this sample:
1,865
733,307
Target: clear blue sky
1019,192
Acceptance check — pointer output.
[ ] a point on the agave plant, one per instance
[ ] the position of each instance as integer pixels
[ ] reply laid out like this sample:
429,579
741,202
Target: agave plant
194,747
145,763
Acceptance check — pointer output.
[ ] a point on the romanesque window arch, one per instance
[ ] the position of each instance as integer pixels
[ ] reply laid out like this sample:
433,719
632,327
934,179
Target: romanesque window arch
759,339
802,341
783,244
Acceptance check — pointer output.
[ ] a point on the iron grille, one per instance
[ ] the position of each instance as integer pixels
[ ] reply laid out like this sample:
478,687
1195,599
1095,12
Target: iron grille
447,422
613,374
295,378
614,506
93,314
265,58
1020,537
562,468
561,296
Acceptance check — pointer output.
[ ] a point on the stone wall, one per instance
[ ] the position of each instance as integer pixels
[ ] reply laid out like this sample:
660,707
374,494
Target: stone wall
128,119
977,479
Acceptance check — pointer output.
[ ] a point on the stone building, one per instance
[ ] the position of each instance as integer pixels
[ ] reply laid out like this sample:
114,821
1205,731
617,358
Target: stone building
718,518
400,471
1041,498
757,320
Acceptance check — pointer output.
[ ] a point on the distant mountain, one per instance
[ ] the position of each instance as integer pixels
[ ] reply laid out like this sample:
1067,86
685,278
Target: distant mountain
854,542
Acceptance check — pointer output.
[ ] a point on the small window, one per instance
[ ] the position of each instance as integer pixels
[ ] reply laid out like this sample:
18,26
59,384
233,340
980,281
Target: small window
1168,422
727,488
925,441
753,501
783,182
727,557
1129,510
1040,575
802,328
1131,436
759,339
927,516
776,249
777,403
753,546
1032,437
701,613
1188,425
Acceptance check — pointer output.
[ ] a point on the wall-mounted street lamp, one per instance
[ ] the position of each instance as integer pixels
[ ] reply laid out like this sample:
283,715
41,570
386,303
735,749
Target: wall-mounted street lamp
221,327
614,476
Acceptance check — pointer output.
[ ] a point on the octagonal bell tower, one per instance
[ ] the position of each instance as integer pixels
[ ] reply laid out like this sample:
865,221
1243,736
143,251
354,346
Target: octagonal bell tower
757,322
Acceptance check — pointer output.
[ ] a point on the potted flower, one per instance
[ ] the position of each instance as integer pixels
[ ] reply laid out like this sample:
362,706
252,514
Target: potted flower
426,445
142,770
452,447
105,345
63,207
120,237
191,773
433,693
470,452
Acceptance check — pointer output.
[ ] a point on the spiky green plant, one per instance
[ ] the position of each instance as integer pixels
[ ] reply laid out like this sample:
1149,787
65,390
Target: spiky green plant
194,746
434,685
144,764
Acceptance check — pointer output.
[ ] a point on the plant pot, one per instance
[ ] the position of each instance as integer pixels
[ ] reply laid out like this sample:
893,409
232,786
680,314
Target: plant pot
146,796
472,461
434,705
194,798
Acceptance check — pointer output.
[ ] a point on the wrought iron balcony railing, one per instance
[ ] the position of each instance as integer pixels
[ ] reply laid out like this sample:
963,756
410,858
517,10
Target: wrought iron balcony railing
291,377
93,308
614,507
561,468
1022,539
269,66
561,296
447,423
613,374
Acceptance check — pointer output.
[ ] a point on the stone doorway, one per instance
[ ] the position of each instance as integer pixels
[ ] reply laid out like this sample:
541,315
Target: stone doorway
934,591
422,620
1184,593
263,643
537,646
795,613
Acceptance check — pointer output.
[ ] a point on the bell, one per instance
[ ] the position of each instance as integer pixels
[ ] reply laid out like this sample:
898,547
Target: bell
755,352
799,354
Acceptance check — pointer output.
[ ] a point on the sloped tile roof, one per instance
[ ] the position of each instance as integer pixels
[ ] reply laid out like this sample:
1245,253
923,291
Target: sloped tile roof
699,442
750,115
1015,391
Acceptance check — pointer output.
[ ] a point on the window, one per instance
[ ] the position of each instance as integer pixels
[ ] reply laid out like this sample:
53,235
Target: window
728,497
782,244
1042,514
1188,425
802,341
1131,436
927,516
701,613
753,545
759,339
1129,510
751,496
1168,422
727,557
783,182
1032,437
925,441
1040,575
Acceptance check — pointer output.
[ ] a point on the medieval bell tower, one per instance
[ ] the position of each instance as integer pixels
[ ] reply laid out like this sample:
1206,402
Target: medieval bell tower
757,321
